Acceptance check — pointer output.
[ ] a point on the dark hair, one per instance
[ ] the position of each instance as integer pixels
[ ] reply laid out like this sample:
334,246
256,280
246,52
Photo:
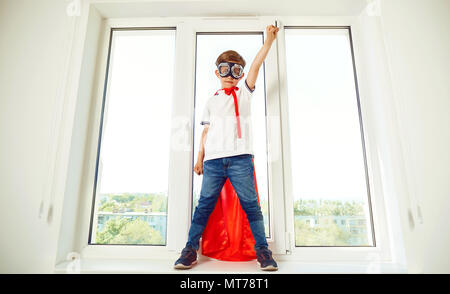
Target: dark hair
231,56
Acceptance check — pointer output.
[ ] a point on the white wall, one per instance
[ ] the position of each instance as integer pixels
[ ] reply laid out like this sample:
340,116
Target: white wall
46,75
417,38
385,161
33,52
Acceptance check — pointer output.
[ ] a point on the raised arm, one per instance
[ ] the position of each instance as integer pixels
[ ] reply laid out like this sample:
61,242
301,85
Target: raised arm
271,32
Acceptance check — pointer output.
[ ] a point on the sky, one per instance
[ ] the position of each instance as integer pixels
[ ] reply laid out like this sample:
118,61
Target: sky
327,154
135,146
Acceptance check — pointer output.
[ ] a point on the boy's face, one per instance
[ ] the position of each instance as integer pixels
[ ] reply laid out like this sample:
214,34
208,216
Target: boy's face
228,82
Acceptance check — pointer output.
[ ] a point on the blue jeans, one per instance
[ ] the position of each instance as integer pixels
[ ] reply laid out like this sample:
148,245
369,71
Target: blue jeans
239,170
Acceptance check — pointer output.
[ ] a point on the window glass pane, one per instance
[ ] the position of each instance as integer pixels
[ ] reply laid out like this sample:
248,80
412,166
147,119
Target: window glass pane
209,47
331,200
132,179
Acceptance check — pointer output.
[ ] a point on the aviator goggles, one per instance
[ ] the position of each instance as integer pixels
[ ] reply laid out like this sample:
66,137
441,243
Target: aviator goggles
230,69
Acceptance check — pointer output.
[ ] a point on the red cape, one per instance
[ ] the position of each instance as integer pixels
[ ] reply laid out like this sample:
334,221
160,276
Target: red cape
227,235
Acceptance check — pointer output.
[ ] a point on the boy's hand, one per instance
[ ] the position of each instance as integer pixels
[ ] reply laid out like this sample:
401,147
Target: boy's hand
198,168
271,32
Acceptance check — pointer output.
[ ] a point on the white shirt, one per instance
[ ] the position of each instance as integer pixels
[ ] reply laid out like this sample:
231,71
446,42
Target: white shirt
219,113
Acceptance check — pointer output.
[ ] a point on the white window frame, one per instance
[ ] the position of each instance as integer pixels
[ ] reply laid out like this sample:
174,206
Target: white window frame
180,165
381,252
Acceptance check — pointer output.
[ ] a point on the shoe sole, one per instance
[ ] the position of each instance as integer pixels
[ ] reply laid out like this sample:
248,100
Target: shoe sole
270,268
182,266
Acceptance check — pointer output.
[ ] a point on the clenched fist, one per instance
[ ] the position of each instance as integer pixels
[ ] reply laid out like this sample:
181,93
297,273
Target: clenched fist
271,32
198,168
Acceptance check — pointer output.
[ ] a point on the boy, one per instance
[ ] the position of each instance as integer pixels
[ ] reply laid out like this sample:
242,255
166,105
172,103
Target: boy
228,153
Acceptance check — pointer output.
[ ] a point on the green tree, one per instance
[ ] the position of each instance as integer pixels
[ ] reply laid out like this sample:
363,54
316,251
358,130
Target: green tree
138,232
310,207
112,228
124,231
330,235
108,206
123,198
159,203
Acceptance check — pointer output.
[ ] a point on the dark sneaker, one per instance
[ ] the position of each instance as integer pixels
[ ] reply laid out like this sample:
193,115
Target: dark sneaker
187,259
265,260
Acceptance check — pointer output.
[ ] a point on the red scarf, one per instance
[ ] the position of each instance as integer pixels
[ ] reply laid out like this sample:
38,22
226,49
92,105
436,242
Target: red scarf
229,91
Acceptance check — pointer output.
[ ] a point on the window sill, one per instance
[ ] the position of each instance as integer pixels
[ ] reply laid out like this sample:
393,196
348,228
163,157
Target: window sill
211,266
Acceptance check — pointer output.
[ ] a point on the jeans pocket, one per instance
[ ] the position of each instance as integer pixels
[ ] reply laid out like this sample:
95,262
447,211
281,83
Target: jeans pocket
209,163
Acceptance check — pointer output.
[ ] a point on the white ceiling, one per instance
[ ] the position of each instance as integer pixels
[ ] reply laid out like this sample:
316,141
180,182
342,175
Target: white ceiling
211,8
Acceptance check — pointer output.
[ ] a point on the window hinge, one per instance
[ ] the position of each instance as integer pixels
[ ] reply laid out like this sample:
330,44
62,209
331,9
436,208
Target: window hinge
288,243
